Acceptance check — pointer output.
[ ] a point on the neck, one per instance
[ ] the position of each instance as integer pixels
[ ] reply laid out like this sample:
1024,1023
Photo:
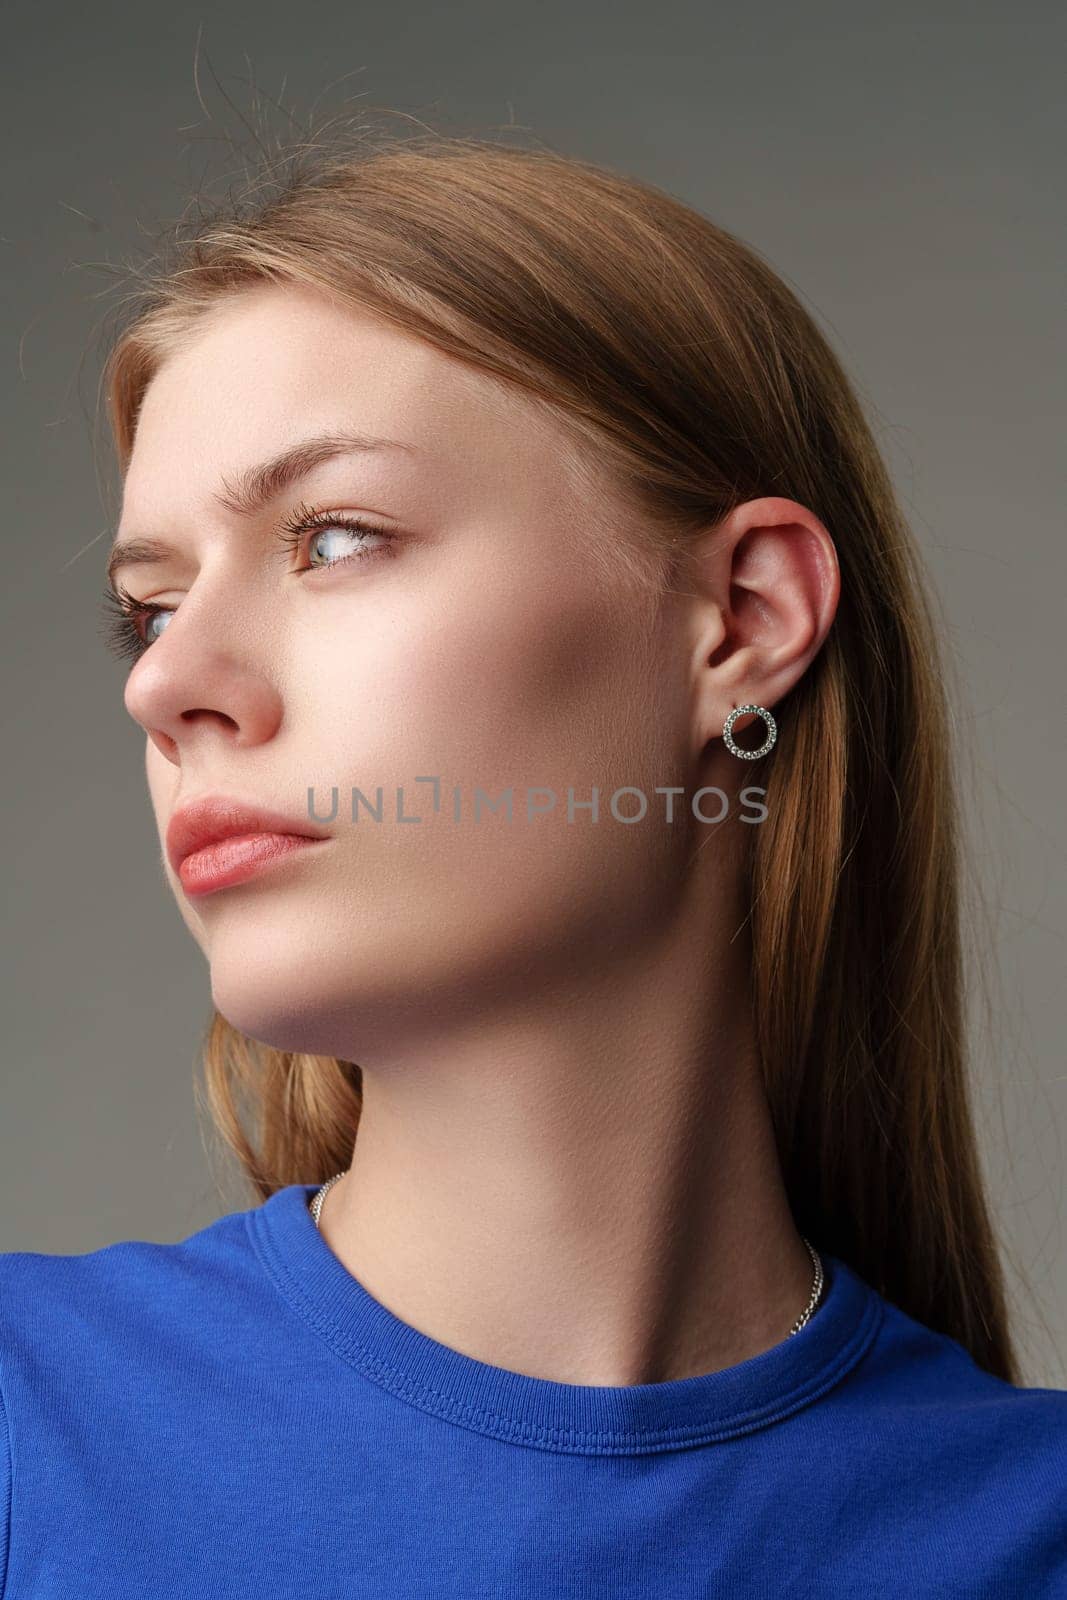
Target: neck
589,1194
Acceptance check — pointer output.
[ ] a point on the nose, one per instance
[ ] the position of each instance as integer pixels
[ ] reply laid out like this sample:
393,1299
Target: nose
202,680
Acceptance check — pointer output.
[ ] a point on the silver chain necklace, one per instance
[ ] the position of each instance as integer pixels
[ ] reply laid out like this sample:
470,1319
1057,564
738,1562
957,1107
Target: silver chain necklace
813,1300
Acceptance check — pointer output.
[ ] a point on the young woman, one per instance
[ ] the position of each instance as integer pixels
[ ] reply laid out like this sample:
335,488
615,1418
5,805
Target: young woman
546,733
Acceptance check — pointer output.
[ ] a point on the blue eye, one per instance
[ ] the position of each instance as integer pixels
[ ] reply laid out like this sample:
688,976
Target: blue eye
162,616
324,524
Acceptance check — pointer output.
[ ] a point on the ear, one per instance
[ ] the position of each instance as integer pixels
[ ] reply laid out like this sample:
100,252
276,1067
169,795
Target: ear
765,584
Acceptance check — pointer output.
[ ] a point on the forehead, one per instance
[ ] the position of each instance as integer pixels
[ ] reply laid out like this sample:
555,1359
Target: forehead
276,363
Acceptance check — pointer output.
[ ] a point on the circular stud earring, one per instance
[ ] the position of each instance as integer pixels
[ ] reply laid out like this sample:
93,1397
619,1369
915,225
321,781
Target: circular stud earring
728,738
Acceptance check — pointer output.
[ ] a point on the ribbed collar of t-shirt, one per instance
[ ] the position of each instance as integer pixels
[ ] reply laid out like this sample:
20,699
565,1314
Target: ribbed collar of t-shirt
597,1419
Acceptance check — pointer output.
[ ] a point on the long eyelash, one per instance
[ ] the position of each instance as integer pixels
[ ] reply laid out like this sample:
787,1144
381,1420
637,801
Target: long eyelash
121,611
309,519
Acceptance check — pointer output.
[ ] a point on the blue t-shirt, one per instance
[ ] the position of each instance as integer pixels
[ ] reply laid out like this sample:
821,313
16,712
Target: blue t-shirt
234,1417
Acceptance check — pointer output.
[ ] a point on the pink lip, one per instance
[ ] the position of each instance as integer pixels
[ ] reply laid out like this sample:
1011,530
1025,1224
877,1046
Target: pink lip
216,841
231,861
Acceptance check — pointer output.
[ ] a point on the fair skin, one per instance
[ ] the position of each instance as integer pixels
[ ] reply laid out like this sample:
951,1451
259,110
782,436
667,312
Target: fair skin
565,1164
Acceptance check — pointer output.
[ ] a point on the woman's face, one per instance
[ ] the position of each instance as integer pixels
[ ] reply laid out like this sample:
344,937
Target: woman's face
484,645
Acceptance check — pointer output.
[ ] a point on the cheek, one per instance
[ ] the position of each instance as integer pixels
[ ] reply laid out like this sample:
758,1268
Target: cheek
541,685
498,697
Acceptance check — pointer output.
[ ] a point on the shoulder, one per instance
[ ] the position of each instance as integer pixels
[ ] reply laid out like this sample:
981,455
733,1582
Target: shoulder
960,1451
114,1302
925,1380
920,1365
82,1336
927,1460
98,1349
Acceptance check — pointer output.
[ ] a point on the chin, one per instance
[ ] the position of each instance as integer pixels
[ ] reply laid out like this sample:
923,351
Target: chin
292,990
286,1015
276,983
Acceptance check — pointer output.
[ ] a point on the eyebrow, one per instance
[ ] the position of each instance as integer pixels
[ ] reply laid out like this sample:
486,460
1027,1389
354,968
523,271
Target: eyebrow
256,487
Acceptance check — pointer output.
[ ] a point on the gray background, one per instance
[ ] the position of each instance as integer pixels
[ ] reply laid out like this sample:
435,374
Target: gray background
898,168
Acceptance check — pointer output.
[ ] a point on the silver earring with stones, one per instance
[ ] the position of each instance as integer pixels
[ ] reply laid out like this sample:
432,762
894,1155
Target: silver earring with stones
731,744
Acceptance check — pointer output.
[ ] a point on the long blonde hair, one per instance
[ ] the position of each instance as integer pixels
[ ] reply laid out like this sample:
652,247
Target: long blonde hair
673,354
